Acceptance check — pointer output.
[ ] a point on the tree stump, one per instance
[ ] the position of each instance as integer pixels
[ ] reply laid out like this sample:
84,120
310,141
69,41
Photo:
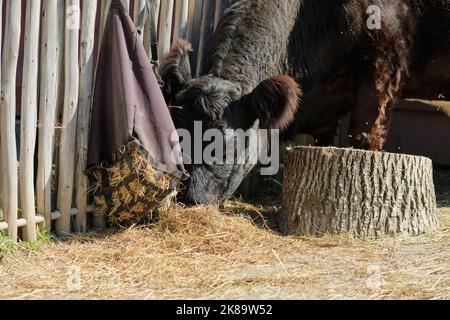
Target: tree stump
360,193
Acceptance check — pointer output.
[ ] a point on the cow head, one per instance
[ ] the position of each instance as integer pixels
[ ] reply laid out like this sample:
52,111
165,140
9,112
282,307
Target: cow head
216,105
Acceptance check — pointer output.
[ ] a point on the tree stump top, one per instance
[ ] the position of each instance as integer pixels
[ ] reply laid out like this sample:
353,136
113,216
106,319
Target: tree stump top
334,151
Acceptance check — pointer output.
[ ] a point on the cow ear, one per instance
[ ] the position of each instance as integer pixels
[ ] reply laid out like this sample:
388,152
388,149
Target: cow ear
274,102
175,69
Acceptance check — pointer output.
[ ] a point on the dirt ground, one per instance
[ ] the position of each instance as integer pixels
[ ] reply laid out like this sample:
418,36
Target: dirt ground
233,253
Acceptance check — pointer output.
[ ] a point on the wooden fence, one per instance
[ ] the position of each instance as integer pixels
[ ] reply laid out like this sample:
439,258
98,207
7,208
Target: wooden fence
51,46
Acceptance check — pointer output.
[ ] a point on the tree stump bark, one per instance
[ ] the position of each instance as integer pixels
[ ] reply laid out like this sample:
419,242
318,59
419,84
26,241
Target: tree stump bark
360,193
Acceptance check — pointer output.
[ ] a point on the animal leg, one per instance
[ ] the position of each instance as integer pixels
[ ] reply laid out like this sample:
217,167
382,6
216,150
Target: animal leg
373,108
363,117
370,120
378,133
326,138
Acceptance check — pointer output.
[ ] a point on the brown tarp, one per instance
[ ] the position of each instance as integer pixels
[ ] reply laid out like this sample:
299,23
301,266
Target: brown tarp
128,104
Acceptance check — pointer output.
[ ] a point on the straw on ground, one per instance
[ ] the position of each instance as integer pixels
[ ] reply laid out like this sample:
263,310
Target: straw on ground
204,253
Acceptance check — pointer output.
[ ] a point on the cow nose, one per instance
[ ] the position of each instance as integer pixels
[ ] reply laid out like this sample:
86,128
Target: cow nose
186,195
194,193
186,199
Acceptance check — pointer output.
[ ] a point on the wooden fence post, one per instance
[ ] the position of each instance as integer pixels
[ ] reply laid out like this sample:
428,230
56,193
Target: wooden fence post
59,98
84,109
139,7
106,6
181,19
69,126
151,27
157,12
98,220
29,117
11,43
206,30
2,216
190,22
165,27
49,78
220,6
194,31
62,44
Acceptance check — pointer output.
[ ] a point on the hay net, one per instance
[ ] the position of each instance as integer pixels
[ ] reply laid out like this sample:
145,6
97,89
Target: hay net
131,190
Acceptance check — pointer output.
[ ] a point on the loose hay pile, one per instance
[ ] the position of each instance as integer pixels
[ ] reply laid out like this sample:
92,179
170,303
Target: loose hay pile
130,190
203,253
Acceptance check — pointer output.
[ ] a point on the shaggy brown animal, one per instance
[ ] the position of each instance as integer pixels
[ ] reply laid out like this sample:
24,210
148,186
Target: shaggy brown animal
343,61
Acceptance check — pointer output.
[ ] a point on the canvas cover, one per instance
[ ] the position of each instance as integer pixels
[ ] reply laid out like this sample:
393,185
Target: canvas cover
128,105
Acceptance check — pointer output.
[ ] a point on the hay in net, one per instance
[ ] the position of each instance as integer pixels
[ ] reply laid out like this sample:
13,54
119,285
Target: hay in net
131,190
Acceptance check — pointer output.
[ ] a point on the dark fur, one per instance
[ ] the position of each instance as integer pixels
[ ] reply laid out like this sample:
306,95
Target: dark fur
176,69
208,96
274,102
341,66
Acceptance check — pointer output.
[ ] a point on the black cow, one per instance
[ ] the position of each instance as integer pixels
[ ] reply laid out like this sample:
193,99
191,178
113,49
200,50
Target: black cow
347,56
